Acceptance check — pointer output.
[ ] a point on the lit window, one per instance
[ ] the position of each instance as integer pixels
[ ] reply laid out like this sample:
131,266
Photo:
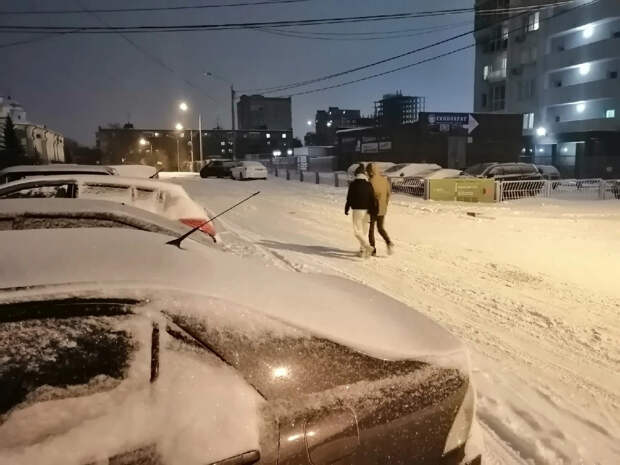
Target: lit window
485,73
533,23
584,69
283,136
611,113
289,152
588,31
528,121
222,143
542,132
268,136
504,63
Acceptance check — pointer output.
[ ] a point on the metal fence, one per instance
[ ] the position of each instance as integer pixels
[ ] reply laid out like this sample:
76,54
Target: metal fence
337,179
415,187
567,189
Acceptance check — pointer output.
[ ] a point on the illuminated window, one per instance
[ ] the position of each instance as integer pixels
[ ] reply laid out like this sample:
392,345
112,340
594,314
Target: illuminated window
528,121
485,73
284,136
268,136
533,23
611,113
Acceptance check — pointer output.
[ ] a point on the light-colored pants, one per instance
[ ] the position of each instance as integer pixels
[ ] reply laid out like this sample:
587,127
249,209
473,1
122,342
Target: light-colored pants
361,222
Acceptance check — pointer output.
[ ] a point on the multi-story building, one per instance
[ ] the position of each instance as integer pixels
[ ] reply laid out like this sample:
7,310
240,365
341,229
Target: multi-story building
395,110
170,148
558,66
259,112
40,144
327,122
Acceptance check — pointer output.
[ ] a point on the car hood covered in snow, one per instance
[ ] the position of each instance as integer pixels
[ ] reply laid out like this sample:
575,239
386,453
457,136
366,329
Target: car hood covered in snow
333,308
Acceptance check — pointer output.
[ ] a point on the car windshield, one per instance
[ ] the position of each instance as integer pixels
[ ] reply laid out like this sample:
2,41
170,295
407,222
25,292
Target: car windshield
477,170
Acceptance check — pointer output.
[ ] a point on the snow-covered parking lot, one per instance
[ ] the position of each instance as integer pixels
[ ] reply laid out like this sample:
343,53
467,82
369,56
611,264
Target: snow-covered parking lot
530,286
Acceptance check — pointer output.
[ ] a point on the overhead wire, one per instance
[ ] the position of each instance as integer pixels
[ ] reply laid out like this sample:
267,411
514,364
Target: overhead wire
433,58
150,9
283,87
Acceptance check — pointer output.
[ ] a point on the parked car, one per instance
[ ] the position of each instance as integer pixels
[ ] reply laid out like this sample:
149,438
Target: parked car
248,170
505,171
414,185
13,173
217,168
58,213
127,350
382,165
403,170
549,172
162,198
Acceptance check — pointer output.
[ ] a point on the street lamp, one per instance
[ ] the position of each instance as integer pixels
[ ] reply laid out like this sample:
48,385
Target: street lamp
183,106
144,142
179,127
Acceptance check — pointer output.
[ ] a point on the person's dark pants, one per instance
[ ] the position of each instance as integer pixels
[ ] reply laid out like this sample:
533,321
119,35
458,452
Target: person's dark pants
371,232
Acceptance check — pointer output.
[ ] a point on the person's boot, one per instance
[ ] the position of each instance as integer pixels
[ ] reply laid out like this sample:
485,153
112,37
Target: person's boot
390,248
374,252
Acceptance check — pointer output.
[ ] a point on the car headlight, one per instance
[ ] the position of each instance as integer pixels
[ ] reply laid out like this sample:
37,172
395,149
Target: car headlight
461,427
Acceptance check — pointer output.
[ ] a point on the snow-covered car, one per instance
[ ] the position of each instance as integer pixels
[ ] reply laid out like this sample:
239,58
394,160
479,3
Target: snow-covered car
56,213
549,172
136,171
504,171
405,170
382,165
248,170
13,173
414,185
159,197
118,348
217,168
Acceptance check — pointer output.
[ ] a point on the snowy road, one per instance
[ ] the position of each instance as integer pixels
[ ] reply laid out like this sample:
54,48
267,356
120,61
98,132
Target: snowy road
532,289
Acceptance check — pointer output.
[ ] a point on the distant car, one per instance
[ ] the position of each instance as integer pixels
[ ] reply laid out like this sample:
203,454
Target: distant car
505,171
58,213
124,350
404,170
162,198
549,172
248,170
382,165
136,171
218,169
14,173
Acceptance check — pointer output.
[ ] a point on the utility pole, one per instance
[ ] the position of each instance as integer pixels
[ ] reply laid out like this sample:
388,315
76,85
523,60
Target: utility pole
233,125
200,138
178,157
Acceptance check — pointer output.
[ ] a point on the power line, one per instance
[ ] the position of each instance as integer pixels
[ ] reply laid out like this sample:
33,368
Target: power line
158,61
150,9
293,85
250,25
433,58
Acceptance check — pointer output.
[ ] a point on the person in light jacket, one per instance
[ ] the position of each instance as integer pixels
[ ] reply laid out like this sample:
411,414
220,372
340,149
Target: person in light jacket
361,199
382,190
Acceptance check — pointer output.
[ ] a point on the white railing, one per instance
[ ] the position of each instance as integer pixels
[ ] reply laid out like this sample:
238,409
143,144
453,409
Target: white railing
415,187
567,189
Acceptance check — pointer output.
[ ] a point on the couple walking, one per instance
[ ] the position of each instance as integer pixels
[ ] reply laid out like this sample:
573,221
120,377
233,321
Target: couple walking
368,197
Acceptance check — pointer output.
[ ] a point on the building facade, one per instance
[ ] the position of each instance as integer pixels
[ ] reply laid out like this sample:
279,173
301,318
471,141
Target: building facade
327,122
559,67
452,140
259,112
170,148
41,145
395,110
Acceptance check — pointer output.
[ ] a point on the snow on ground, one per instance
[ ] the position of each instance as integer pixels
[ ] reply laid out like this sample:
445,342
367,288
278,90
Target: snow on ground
531,286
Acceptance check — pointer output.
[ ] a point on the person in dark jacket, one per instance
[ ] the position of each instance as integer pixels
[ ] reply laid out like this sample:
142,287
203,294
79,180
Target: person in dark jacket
361,199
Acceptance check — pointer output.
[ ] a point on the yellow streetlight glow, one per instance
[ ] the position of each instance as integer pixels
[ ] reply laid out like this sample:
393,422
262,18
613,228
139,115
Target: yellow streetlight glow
183,106
179,127
143,141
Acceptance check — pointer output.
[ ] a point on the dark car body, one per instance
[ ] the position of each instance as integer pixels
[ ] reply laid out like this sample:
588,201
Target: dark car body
92,335
505,171
217,168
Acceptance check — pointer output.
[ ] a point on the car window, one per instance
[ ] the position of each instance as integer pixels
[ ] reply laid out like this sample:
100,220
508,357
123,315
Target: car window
54,350
395,168
496,171
40,192
94,191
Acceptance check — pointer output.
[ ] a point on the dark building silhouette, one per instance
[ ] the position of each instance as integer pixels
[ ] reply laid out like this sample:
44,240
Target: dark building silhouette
395,110
327,122
259,112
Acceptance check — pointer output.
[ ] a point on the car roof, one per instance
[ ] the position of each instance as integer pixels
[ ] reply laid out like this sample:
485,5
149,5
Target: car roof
43,261
120,181
56,168
101,209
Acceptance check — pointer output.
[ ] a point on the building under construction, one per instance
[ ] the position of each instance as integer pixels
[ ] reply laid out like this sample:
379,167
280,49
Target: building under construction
395,110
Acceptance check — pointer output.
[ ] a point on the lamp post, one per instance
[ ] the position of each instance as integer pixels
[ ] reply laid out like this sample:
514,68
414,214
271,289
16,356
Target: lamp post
232,107
179,128
184,107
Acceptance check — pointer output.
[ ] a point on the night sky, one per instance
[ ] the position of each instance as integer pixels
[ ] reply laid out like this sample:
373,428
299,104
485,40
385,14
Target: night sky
75,83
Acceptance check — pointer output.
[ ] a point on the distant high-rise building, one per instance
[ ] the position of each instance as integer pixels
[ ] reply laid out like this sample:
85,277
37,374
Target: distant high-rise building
395,110
260,112
558,66
328,122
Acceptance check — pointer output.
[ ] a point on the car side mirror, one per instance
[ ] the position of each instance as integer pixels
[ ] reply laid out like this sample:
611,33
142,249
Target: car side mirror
243,459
